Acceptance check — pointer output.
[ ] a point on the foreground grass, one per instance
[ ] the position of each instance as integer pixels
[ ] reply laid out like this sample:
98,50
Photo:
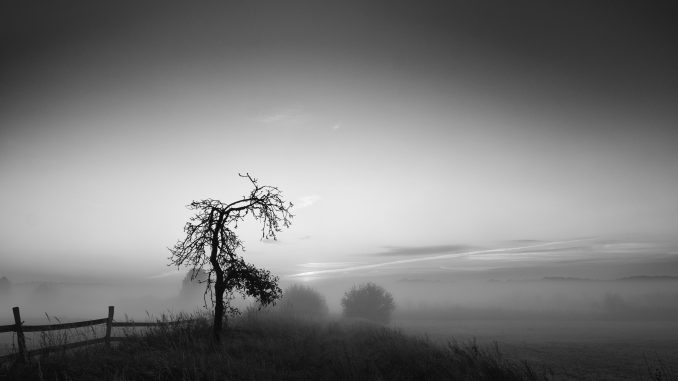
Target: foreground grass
272,347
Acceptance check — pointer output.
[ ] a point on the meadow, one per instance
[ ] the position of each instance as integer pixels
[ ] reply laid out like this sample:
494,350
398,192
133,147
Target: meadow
270,346
581,349
265,345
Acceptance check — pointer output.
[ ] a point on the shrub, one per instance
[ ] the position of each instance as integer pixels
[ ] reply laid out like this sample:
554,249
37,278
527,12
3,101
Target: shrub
300,300
368,301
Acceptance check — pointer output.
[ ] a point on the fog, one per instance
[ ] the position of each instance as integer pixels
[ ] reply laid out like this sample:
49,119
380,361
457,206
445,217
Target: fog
501,293
73,301
583,278
558,313
643,298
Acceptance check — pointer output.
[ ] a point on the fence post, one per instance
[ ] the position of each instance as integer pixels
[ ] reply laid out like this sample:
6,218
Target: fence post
109,325
21,341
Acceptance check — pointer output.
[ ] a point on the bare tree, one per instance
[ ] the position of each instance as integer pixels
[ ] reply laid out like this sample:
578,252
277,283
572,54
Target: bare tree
227,271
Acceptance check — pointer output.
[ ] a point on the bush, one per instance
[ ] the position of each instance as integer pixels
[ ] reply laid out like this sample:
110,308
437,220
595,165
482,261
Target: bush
368,301
300,300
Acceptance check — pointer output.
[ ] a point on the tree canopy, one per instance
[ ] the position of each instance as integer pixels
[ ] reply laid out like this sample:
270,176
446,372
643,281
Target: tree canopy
368,301
303,301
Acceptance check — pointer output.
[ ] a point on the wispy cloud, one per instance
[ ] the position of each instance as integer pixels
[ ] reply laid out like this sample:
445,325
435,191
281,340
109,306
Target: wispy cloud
306,201
472,253
289,116
422,250
327,265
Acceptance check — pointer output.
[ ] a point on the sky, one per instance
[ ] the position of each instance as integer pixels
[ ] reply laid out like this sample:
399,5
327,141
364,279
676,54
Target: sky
401,127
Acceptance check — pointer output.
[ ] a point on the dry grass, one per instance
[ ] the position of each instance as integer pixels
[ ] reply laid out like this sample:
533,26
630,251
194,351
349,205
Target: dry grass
270,346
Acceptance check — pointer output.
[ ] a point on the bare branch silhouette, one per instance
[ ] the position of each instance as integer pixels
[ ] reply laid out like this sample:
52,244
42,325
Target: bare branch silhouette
227,271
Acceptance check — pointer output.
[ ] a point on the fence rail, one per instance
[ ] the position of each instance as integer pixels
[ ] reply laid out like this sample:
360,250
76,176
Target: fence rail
24,354
54,327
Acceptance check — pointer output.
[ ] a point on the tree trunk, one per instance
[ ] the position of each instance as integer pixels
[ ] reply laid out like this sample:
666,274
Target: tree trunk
218,309
219,285
219,288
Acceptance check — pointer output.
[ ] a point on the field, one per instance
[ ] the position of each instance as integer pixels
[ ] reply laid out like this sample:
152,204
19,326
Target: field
274,347
572,349
563,329
553,349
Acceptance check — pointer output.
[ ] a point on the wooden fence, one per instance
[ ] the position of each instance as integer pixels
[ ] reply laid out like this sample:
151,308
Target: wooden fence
24,354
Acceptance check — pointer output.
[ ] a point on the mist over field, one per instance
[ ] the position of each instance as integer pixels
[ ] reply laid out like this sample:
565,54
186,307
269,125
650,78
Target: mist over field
593,303
584,279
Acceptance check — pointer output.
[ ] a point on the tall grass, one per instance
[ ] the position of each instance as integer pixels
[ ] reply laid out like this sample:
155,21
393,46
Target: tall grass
271,346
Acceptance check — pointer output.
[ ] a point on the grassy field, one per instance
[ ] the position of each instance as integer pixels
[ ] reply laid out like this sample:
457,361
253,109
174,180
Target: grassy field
572,349
270,347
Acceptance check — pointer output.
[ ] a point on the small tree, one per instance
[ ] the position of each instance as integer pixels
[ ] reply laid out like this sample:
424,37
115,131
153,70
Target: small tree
368,301
227,271
300,300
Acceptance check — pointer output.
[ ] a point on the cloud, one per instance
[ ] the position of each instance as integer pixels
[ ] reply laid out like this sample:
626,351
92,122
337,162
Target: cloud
473,253
290,116
336,126
327,265
422,250
306,201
